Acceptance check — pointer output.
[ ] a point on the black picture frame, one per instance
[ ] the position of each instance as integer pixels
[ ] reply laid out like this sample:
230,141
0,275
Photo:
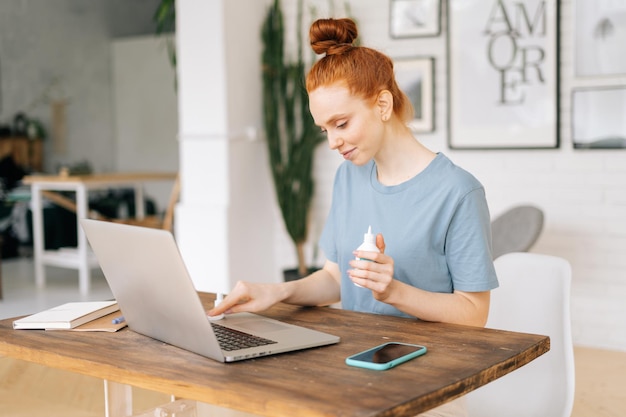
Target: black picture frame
597,117
414,18
599,38
503,74
416,78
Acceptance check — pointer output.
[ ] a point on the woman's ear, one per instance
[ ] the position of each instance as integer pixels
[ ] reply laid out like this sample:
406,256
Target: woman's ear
384,102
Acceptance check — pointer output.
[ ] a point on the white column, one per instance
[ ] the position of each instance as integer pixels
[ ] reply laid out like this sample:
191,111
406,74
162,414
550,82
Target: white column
222,172
201,216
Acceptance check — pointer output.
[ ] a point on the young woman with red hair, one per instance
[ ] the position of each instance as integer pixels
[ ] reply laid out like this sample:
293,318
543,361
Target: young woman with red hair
430,216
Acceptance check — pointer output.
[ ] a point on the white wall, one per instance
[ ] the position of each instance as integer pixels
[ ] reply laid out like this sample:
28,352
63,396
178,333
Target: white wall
582,192
60,50
145,112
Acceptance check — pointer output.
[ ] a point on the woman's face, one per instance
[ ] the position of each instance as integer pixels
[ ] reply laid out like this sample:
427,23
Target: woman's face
352,125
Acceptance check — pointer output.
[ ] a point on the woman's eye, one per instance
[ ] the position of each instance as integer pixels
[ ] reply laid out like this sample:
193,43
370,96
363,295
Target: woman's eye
342,125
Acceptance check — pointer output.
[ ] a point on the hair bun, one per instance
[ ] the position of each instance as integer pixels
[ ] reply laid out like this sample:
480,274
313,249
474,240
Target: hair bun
332,36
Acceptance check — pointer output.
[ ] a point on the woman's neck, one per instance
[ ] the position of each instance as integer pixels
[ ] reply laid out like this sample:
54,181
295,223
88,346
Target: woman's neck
401,158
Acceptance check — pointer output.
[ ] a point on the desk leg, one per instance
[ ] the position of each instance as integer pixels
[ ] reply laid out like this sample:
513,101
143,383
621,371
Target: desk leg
84,273
38,240
140,211
118,399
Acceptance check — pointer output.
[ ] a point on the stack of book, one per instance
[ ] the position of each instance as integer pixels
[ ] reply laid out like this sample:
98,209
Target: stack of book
69,316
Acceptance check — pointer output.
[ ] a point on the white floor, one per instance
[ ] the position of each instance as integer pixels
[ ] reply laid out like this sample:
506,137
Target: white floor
21,296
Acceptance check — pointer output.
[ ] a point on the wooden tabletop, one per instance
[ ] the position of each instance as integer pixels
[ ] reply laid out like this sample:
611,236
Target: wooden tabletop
103,178
313,382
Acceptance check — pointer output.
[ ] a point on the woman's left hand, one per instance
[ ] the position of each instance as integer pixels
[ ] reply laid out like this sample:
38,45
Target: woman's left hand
376,275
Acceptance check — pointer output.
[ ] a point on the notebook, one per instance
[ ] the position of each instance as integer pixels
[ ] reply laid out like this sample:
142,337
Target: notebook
67,316
149,280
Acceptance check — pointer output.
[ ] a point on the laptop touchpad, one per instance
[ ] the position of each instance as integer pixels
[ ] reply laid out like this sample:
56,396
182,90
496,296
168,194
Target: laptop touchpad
261,326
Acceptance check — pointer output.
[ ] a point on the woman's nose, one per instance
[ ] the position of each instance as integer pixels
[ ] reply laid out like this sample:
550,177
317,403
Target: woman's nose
334,141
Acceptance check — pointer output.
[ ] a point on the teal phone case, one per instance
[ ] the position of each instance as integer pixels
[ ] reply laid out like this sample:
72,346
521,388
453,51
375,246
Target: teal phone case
366,360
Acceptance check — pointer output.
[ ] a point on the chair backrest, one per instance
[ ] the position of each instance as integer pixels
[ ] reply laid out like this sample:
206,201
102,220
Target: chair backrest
533,297
168,217
516,230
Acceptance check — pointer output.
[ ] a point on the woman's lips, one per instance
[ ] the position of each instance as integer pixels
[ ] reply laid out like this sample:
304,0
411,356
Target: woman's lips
347,154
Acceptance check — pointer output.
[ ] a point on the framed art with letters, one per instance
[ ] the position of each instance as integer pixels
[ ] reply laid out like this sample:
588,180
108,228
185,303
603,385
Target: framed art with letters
503,84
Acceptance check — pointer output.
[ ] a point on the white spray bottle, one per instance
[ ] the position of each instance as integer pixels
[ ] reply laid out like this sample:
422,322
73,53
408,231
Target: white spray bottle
369,245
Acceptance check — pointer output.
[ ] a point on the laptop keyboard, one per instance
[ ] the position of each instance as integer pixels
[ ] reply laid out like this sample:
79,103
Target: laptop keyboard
230,339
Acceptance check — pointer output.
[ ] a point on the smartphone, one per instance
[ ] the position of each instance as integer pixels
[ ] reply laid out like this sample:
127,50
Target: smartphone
386,355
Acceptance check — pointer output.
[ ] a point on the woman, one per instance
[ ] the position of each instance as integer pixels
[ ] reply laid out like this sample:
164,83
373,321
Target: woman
431,216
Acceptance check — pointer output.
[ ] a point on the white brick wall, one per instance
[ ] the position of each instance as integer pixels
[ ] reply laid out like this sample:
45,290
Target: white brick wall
583,193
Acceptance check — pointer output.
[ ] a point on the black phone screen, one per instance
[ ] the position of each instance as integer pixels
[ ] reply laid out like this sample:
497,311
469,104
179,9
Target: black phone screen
386,353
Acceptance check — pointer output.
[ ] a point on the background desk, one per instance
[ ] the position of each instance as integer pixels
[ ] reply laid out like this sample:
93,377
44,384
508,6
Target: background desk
81,258
314,382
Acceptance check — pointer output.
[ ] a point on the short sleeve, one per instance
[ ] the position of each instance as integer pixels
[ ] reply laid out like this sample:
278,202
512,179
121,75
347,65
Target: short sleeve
468,245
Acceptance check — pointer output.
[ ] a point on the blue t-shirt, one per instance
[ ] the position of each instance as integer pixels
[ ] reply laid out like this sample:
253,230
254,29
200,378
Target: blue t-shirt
436,227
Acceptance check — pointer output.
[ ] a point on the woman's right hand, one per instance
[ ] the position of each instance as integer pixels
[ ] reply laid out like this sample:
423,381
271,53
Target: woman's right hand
250,297
320,288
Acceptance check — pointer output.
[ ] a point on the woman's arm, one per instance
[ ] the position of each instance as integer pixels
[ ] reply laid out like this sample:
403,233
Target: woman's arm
319,288
323,287
460,307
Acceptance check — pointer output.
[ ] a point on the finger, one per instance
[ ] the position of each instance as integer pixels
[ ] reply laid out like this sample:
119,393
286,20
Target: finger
366,256
380,242
362,282
363,274
231,300
361,268
219,309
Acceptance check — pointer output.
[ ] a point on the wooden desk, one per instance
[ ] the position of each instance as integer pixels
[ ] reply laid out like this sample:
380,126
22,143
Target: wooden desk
80,259
313,382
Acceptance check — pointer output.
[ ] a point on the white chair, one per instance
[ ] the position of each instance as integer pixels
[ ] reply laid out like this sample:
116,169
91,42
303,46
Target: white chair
533,297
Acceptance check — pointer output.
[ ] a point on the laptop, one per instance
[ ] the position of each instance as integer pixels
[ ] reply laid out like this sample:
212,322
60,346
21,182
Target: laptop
149,280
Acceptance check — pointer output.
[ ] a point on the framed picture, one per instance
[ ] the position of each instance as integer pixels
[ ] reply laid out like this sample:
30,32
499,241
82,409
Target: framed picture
416,77
599,37
503,84
414,18
598,120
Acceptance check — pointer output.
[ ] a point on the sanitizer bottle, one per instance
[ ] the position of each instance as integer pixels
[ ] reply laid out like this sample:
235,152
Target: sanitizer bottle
369,244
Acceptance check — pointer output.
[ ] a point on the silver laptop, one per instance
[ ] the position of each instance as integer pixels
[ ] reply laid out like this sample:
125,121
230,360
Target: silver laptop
150,282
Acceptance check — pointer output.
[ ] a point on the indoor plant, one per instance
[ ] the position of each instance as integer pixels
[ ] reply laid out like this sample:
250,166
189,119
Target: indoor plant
165,20
290,131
